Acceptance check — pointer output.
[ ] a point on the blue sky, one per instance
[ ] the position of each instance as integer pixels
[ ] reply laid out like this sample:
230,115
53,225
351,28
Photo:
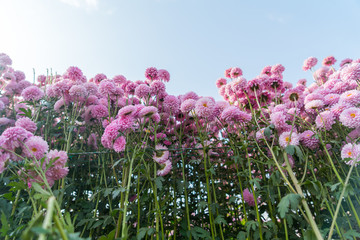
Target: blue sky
195,40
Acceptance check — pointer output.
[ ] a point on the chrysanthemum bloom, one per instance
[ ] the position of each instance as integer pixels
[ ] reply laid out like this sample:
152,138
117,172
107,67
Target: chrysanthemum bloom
227,73
338,108
165,168
309,63
157,87
35,147
19,75
151,73
14,137
119,79
2,105
5,59
293,98
99,77
92,141
204,107
260,134
285,139
287,85
99,111
187,105
248,197
308,139
325,120
345,62
230,114
91,88
266,70
350,117
120,144
59,158
321,75
148,111
350,153
163,75
106,87
314,106
78,91
220,82
329,61
73,73
161,154
142,90
331,99
171,104
350,72
8,76
12,88
128,110
255,85
189,95
352,97
26,123
277,69
235,72
353,135
4,121
274,84
32,93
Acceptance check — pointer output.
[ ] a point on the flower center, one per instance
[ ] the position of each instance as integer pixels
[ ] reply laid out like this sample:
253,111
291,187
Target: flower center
287,139
352,115
205,105
294,97
34,149
349,94
349,153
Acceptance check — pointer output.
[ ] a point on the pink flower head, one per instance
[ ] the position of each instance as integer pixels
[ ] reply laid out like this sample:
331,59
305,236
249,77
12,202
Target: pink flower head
338,108
165,168
142,90
248,197
351,153
314,106
119,79
345,62
78,91
157,87
204,107
350,72
171,104
99,77
220,82
235,72
274,83
285,139
26,123
32,93
329,61
331,99
151,73
14,137
58,157
352,97
308,139
148,111
350,117
120,144
163,75
106,87
266,70
35,146
227,72
99,111
187,105
325,120
128,110
277,69
189,95
294,98
255,85
5,59
19,75
309,63
74,73
161,154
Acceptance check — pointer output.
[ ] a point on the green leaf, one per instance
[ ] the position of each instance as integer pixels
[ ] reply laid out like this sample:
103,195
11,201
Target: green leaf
241,235
351,234
200,233
107,191
220,220
251,225
142,232
267,132
40,190
4,225
299,153
158,182
310,235
290,149
291,200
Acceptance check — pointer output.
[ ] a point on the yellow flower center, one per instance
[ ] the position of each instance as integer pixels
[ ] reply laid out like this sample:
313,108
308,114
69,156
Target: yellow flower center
205,105
34,149
349,153
287,139
352,115
349,95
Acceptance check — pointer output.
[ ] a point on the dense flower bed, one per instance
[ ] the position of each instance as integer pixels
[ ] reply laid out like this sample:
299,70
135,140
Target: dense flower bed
110,158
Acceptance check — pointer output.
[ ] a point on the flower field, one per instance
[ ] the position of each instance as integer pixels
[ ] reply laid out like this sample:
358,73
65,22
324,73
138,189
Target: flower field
108,158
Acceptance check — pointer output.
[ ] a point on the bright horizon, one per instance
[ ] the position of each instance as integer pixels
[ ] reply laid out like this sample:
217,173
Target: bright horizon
194,40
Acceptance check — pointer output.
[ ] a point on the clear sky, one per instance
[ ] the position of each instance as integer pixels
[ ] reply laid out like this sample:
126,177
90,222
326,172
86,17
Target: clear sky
195,40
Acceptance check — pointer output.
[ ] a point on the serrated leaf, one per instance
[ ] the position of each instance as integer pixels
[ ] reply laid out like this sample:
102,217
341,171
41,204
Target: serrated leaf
351,234
299,153
290,149
241,235
200,233
4,225
291,200
220,220
251,225
267,132
142,232
158,182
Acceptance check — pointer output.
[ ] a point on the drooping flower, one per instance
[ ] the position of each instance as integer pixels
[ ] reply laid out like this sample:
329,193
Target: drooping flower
309,63
329,61
161,154
165,168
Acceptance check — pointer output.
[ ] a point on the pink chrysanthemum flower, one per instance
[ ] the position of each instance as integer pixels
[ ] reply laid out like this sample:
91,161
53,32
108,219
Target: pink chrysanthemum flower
227,73
148,111
350,72
352,97
163,75
279,120
161,154
188,105
314,106
309,63
266,70
151,73
285,139
329,61
220,82
142,90
4,121
32,93
350,117
351,153
171,104
331,99
204,107
106,87
288,85
345,62
14,136
19,75
325,120
99,77
26,123
24,84
353,135
73,73
5,59
230,114
59,158
260,134
338,108
128,110
119,79
293,98
35,147
274,84
277,69
77,91
99,111
165,168
308,139
235,72
255,85
120,144
157,87
189,95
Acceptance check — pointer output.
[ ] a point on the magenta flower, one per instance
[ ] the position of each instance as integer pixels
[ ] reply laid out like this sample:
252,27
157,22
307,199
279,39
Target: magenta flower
26,123
350,117
285,139
35,147
142,90
309,63
148,111
352,97
266,70
325,120
248,197
204,107
277,69
14,137
99,111
163,75
187,105
329,61
59,157
235,72
78,91
151,73
220,82
99,77
165,168
119,144
32,93
351,153
161,154
308,139
73,73
345,62
171,104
